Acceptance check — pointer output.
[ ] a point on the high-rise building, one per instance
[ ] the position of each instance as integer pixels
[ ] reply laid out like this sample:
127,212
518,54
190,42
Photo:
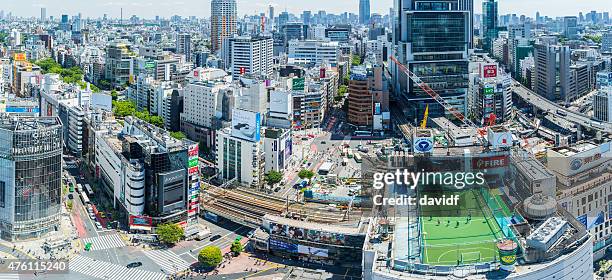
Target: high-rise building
306,15
489,23
602,104
148,173
251,56
30,177
43,14
64,24
434,44
606,42
364,11
552,64
222,21
313,52
570,27
366,96
183,45
118,67
271,13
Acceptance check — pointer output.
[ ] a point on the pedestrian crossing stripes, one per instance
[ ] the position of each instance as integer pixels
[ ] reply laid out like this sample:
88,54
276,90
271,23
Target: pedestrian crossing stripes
6,276
169,261
106,270
104,242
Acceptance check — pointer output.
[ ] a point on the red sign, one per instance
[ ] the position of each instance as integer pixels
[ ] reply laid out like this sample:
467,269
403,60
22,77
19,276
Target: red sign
140,221
193,170
489,162
242,70
196,73
489,71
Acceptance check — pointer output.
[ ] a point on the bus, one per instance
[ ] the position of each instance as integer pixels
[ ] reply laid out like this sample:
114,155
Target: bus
84,198
358,158
88,190
79,188
325,168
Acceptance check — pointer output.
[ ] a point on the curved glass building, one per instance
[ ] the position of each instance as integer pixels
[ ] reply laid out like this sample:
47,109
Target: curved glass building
30,177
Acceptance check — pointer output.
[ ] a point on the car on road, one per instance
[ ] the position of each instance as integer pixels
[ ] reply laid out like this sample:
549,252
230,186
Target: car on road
98,225
323,142
215,237
134,264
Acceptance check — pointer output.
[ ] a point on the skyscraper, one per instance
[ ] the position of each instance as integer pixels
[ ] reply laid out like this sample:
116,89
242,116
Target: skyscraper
570,27
433,41
43,14
489,23
251,56
223,22
364,11
271,13
183,45
306,15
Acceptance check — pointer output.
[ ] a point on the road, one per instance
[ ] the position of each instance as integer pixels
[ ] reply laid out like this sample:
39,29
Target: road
553,108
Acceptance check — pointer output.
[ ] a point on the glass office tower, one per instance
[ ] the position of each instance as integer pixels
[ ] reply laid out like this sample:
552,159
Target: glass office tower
433,39
30,177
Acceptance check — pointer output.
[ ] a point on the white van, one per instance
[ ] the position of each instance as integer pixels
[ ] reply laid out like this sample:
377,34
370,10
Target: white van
203,234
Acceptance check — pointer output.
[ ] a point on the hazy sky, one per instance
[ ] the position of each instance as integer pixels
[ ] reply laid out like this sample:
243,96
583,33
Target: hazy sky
201,8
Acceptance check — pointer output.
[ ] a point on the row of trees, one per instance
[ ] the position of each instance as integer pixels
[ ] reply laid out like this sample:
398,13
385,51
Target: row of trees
126,108
72,75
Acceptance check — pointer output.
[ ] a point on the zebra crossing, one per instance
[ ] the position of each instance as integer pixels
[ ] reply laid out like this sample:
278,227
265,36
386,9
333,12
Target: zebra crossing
104,242
169,261
6,276
106,270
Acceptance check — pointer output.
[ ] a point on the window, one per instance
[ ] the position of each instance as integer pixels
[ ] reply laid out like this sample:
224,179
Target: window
2,192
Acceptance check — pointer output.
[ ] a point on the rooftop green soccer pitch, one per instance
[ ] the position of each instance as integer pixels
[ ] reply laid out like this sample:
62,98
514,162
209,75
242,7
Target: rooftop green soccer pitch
451,237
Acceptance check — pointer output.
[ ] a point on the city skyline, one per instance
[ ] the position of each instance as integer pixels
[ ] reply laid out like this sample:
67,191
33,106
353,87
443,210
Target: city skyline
149,9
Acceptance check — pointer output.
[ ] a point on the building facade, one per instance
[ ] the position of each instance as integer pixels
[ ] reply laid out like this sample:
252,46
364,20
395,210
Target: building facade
30,177
222,22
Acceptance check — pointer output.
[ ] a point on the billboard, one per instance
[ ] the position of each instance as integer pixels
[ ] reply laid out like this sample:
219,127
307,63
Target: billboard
19,57
490,162
312,251
423,145
140,222
489,71
283,246
246,125
298,84
488,90
590,222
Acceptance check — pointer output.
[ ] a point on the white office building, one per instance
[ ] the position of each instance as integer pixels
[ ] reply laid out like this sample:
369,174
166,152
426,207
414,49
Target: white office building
313,52
251,56
239,159
278,149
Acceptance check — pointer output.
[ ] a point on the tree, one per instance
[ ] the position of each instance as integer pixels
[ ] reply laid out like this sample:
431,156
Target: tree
342,90
236,248
114,94
355,60
170,233
123,109
210,256
306,174
274,177
156,121
178,135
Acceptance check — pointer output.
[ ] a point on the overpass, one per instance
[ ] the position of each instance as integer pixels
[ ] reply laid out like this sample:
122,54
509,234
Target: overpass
559,111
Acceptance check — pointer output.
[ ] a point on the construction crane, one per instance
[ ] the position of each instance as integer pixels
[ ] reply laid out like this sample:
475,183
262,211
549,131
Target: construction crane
425,117
435,96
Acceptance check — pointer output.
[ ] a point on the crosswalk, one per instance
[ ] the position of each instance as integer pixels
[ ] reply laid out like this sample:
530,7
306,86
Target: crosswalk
104,242
169,261
6,276
106,270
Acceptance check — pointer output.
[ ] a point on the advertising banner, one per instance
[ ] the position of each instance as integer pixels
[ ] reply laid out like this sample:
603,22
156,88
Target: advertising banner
246,125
